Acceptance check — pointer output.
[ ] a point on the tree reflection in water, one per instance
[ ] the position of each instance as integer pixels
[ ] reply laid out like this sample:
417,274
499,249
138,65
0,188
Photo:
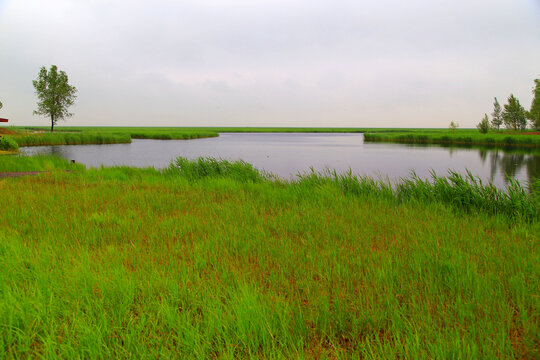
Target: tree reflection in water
510,163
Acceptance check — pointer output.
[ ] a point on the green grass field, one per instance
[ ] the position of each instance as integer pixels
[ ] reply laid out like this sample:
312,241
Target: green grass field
212,259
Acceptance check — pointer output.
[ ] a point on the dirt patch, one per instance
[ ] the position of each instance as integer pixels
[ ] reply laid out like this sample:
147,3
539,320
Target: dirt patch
19,173
531,133
12,174
4,131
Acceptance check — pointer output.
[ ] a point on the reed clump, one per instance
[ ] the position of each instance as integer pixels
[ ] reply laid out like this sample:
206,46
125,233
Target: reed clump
172,135
470,194
82,136
464,193
464,138
63,138
203,168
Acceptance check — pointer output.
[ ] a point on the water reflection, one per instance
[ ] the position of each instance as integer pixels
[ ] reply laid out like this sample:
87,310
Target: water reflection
510,163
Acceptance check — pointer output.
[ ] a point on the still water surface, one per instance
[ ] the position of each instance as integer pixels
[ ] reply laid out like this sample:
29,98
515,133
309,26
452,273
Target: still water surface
286,155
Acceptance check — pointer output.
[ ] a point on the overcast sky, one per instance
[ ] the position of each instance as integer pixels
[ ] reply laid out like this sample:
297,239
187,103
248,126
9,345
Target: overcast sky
384,63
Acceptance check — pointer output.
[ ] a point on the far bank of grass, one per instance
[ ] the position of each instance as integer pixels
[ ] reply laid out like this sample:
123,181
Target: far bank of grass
504,139
40,136
211,259
61,138
214,130
446,137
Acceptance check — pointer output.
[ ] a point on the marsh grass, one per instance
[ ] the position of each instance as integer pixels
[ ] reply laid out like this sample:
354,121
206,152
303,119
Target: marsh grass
8,144
214,168
60,138
172,135
112,136
468,193
459,137
195,262
463,193
19,163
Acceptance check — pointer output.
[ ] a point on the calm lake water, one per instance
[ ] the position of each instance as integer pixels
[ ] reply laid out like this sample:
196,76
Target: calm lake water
286,155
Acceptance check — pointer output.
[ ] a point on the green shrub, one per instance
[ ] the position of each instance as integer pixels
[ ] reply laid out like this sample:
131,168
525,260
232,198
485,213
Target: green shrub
483,126
8,144
509,140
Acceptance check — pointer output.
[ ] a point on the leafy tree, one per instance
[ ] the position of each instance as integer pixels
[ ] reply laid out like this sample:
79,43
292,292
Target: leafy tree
453,126
483,126
54,94
534,113
496,115
514,114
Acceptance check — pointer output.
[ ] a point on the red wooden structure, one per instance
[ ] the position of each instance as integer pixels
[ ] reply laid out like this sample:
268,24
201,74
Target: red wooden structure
3,120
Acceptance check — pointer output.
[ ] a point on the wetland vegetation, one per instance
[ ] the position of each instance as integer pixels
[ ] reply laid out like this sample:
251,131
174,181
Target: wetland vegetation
214,259
67,135
211,258
499,139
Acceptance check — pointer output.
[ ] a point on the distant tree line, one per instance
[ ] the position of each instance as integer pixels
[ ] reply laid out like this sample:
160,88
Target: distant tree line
514,116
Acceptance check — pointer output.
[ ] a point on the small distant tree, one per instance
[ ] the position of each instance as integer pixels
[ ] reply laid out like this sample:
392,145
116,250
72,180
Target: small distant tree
483,126
496,115
514,114
54,94
453,125
534,113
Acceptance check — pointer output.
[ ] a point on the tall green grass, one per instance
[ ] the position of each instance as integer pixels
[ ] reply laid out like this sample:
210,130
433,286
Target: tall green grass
111,136
8,144
16,163
461,137
464,193
447,137
172,135
59,138
213,168
197,262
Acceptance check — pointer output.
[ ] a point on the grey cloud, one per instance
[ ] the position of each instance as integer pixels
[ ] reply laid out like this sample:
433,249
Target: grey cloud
301,63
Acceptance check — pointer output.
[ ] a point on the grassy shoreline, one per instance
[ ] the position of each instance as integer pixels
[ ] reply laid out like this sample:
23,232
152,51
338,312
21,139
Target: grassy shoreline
32,136
463,138
445,137
212,259
70,139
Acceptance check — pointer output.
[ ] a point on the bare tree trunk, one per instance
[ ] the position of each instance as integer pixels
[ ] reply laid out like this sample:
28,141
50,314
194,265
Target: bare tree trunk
52,123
